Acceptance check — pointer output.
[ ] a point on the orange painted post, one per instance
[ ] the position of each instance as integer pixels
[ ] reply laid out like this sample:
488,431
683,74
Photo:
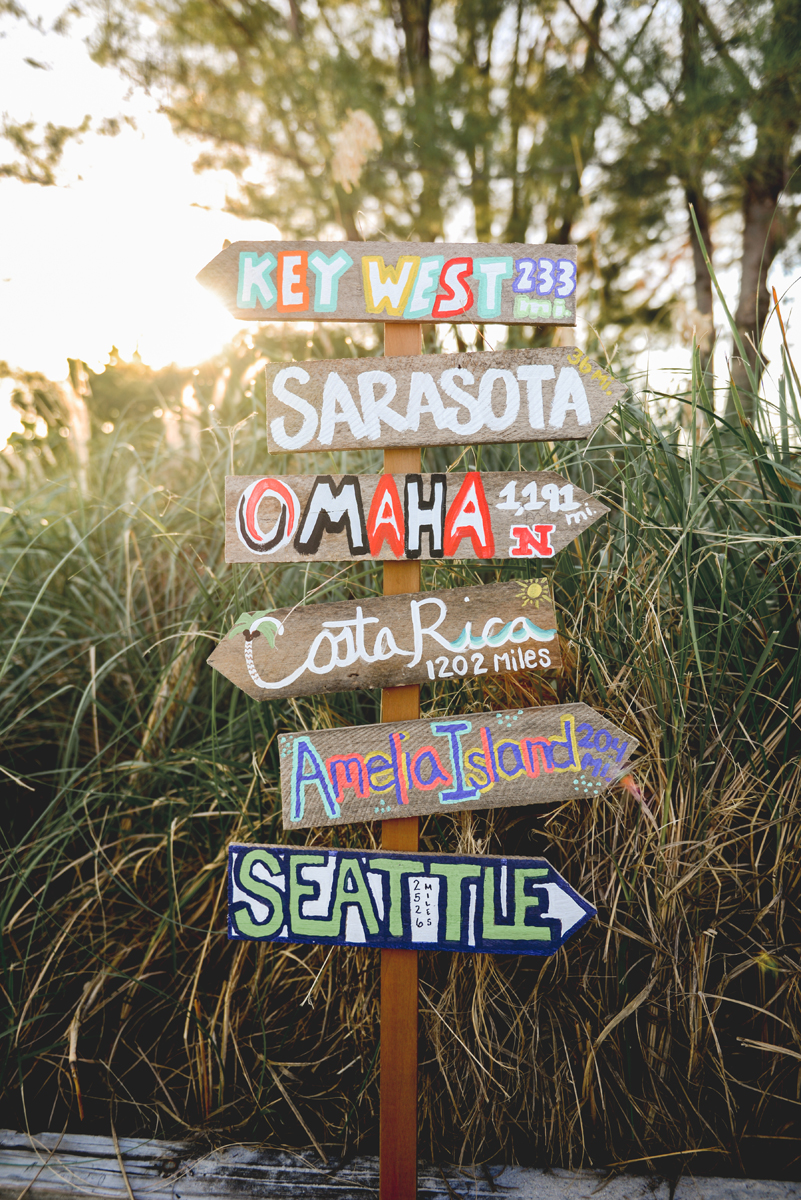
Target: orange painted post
399,1002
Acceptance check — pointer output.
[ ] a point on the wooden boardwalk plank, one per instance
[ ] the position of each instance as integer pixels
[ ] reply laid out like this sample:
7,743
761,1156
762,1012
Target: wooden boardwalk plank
85,1166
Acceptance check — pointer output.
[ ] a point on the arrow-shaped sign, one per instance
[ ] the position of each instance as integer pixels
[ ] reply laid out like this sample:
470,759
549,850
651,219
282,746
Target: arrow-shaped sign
487,905
389,641
469,282
472,761
437,400
569,911
297,518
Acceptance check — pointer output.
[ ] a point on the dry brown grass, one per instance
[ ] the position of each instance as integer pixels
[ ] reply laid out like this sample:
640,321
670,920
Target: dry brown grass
665,1033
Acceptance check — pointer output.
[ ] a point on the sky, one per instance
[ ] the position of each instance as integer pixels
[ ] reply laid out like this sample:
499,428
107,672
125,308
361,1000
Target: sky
109,256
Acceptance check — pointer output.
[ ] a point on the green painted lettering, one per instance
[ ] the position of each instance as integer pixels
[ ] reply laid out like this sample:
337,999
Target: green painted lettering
360,896
241,915
454,874
298,890
518,931
523,902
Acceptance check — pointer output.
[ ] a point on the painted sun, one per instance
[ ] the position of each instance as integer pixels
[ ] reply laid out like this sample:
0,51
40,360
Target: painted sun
534,592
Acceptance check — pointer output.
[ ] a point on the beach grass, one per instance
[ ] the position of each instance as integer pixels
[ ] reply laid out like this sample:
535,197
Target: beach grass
666,1034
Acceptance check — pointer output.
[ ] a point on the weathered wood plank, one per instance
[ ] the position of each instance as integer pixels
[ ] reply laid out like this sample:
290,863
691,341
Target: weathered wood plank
160,1170
452,902
88,1166
509,284
473,761
480,515
389,641
515,396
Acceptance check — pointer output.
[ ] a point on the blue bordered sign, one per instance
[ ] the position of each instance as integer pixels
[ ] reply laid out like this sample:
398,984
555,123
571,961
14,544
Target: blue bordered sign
487,905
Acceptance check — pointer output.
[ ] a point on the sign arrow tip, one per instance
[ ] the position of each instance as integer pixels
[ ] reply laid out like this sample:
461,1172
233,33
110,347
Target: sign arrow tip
567,911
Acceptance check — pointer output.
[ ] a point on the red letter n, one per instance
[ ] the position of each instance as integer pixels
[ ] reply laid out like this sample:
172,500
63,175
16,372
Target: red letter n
532,541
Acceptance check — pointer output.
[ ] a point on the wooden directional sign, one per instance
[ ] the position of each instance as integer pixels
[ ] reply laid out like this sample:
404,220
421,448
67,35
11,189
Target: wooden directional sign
437,400
389,641
396,281
401,901
479,760
496,514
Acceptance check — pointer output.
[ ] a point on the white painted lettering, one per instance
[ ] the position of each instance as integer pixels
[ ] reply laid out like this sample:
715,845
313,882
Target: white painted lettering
291,282
254,277
324,510
336,660
469,516
385,645
358,623
507,502
450,387
377,410
424,289
550,492
328,272
388,289
509,414
533,377
453,281
486,632
422,388
338,405
421,631
569,396
386,516
491,272
281,392
340,644
425,514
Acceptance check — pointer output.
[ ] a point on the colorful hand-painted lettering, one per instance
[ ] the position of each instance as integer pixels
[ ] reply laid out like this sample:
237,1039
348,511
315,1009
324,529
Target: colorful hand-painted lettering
524,756
413,281
401,901
496,760
415,288
393,640
447,515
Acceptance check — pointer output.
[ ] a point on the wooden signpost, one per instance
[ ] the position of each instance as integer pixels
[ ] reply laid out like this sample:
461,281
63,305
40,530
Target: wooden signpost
401,901
393,640
473,761
399,977
396,281
442,399
494,514
398,899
